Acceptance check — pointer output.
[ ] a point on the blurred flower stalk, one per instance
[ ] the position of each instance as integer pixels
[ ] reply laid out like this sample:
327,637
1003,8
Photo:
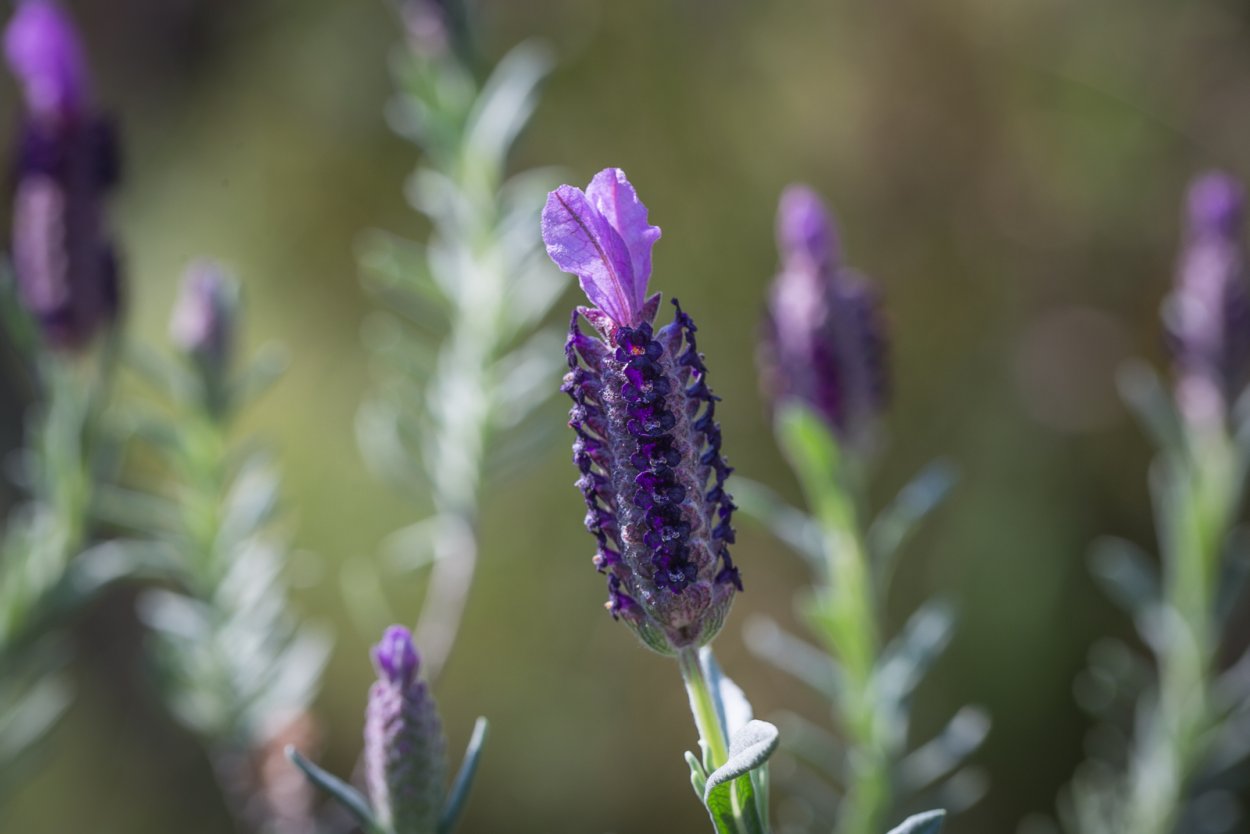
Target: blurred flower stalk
60,302
823,369
231,660
461,361
1189,724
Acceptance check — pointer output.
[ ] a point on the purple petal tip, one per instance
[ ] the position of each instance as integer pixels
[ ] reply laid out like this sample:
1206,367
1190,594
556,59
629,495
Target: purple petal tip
44,52
395,656
1216,204
805,228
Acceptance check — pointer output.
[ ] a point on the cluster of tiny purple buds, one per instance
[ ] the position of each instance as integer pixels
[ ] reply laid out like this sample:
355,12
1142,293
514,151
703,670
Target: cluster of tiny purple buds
648,445
405,757
1208,313
824,341
65,265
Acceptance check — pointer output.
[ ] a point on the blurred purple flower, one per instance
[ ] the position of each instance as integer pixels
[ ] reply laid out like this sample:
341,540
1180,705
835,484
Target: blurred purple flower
405,752
65,264
648,446
1208,313
824,340
204,318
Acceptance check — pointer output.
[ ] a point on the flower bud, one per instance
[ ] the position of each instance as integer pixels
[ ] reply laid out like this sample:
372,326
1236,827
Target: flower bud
405,755
648,445
205,315
823,338
63,258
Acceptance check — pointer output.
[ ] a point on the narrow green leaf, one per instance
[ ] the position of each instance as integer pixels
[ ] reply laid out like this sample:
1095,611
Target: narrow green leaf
1141,389
698,776
459,792
789,524
897,522
729,793
347,796
930,822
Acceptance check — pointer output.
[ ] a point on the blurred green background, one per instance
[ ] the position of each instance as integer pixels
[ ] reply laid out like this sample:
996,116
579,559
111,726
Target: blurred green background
1011,173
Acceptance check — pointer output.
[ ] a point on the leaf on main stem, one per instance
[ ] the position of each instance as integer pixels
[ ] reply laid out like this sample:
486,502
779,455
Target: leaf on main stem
730,793
930,822
459,792
348,797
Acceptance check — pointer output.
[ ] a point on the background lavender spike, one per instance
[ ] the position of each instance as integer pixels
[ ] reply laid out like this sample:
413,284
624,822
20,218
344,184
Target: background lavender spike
824,339
63,256
1207,316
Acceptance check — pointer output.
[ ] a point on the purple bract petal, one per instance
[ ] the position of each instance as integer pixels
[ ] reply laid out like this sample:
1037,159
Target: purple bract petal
611,193
45,54
602,236
804,228
582,242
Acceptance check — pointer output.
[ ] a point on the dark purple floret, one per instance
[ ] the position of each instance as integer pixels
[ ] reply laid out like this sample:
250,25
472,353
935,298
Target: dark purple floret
65,166
405,752
648,445
824,340
1207,316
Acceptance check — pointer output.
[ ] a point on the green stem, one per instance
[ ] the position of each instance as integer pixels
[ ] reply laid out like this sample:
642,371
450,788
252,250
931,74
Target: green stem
703,705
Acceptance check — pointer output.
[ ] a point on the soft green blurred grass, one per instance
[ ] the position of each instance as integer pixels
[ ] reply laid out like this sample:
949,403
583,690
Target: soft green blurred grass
993,165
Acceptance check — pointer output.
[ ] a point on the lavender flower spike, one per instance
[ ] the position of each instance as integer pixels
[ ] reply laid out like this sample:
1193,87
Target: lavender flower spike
1208,312
824,341
405,752
66,164
648,446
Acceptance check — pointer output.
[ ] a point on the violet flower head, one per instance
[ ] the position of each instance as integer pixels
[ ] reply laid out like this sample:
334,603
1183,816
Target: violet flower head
1207,314
824,341
405,757
205,315
648,445
66,163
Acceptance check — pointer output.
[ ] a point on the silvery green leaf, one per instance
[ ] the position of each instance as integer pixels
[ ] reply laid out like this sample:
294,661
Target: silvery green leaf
963,789
1234,571
788,524
731,702
134,510
384,449
28,713
807,663
505,103
261,373
347,796
459,792
812,744
252,501
908,657
170,378
698,776
1125,573
943,754
930,822
896,523
1151,403
526,377
730,793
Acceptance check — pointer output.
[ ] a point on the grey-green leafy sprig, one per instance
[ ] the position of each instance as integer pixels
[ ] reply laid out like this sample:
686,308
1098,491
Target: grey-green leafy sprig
461,361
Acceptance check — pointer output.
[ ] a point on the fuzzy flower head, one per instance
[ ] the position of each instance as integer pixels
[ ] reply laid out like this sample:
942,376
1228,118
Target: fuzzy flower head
1208,313
405,756
648,445
823,340
63,257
